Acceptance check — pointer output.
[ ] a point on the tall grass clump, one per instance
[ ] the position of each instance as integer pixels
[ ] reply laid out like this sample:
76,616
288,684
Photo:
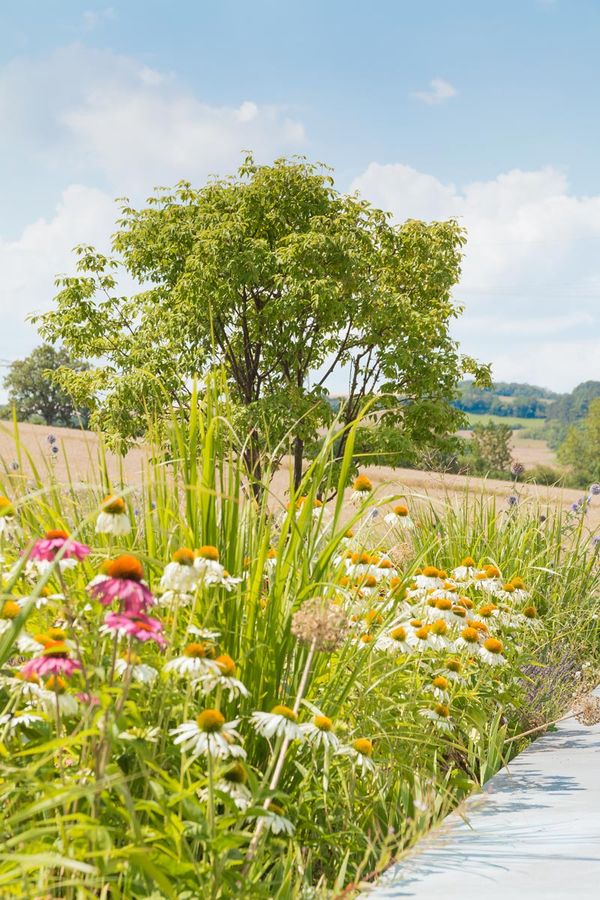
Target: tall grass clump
208,690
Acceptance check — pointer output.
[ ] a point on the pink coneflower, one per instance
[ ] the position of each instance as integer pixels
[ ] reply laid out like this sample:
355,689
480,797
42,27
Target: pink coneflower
46,548
122,580
87,699
137,625
54,660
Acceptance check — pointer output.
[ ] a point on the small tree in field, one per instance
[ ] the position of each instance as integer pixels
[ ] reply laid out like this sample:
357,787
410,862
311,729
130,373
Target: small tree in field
581,448
491,448
36,396
279,278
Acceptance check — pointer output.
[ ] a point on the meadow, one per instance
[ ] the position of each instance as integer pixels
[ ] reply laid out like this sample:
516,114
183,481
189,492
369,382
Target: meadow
209,691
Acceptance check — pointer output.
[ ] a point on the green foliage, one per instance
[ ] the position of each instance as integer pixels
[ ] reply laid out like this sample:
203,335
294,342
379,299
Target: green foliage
504,399
110,807
35,394
542,474
489,449
276,276
581,448
574,406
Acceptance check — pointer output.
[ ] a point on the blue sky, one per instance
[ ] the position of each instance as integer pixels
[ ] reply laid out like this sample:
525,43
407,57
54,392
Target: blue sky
481,110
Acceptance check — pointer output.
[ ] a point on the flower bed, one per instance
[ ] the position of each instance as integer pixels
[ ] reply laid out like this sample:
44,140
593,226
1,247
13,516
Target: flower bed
203,697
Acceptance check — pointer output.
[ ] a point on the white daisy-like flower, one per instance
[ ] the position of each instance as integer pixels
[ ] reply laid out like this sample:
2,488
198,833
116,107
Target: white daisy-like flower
19,719
204,633
319,733
280,722
44,598
273,820
362,488
21,687
440,685
181,575
400,518
428,581
55,692
28,644
113,518
140,671
232,783
209,735
359,752
224,678
134,733
195,662
36,567
440,716
175,598
491,652
206,560
222,579
395,640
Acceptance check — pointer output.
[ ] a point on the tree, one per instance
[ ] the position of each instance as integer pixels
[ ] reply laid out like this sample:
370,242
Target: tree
35,395
581,448
279,278
490,446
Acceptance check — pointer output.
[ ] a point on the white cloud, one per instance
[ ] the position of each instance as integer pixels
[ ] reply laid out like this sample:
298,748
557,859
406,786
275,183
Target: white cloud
531,274
440,90
107,116
97,118
30,263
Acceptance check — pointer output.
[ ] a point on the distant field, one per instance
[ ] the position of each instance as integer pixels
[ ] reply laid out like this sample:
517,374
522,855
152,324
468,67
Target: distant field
513,421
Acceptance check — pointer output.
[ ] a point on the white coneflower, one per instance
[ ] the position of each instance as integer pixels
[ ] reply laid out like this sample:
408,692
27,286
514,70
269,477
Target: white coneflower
281,722
180,575
224,678
466,571
491,652
222,579
273,820
197,660
20,719
439,715
361,489
233,784
150,735
7,517
319,733
468,640
209,735
140,671
359,752
440,685
207,560
9,611
55,693
453,669
429,577
45,596
22,687
395,641
113,517
204,633
400,517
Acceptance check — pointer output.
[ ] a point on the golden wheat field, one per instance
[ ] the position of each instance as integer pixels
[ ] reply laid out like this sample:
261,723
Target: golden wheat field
77,460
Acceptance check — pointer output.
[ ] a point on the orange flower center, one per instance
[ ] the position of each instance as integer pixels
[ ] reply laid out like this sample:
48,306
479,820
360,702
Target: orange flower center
493,645
210,720
323,723
126,567
113,505
184,556
10,610
56,534
208,552
286,712
226,665
363,746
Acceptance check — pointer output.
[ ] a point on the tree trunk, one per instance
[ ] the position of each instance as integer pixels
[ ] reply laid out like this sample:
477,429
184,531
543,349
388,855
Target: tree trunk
298,458
252,459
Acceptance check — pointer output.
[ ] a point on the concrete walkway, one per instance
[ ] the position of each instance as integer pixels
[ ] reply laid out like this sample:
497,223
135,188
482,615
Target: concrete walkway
534,832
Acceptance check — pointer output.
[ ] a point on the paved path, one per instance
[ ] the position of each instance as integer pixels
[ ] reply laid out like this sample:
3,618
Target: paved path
534,832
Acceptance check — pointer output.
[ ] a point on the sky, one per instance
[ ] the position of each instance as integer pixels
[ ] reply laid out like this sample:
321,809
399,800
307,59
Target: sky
479,110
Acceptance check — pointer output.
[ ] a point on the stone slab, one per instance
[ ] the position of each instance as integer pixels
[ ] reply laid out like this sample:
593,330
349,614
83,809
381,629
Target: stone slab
533,832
